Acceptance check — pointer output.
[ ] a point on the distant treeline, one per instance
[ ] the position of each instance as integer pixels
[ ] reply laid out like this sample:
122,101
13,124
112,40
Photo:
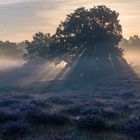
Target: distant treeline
132,43
41,41
12,49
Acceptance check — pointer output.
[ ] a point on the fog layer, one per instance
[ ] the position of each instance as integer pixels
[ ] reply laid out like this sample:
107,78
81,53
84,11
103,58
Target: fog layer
14,69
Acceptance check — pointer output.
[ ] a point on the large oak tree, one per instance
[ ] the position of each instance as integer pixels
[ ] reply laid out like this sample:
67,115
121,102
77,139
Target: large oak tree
87,40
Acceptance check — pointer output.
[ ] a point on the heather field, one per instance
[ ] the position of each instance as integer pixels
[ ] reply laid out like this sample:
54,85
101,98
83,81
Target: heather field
103,111
69,70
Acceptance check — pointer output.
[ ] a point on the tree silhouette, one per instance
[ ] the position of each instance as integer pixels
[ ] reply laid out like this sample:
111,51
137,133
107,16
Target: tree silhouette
86,28
38,47
88,41
81,29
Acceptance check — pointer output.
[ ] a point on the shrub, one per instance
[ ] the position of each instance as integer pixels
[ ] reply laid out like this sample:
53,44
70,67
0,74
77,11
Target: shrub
110,114
132,127
58,119
73,110
92,123
59,101
14,128
47,119
7,103
6,116
40,103
92,111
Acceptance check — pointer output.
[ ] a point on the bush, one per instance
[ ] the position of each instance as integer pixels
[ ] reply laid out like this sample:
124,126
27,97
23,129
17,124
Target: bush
58,119
59,101
34,117
14,128
40,103
110,114
121,107
7,103
23,96
92,111
73,110
47,119
92,123
132,127
6,116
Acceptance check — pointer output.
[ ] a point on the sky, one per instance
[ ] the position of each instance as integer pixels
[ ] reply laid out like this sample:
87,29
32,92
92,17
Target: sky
20,19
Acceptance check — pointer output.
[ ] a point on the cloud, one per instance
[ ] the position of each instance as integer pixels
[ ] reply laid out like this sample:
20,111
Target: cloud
20,19
7,2
128,18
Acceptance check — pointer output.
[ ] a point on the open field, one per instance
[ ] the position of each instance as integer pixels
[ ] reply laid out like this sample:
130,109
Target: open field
104,110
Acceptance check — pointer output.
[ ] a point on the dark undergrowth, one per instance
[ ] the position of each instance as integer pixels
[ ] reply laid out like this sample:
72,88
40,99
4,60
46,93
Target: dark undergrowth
27,117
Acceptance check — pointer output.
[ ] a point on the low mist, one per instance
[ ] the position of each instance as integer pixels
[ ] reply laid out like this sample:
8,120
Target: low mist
15,70
11,55
132,57
11,60
43,71
10,63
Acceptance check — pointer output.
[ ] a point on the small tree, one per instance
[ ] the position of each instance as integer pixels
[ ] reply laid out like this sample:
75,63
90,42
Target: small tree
38,47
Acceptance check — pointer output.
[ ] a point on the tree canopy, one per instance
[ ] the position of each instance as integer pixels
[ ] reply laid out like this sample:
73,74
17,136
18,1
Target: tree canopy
82,29
38,47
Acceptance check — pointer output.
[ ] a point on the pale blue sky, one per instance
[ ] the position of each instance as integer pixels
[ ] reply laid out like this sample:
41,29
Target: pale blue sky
20,19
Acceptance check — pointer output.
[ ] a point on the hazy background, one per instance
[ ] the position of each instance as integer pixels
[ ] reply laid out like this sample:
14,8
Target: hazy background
11,55
15,70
